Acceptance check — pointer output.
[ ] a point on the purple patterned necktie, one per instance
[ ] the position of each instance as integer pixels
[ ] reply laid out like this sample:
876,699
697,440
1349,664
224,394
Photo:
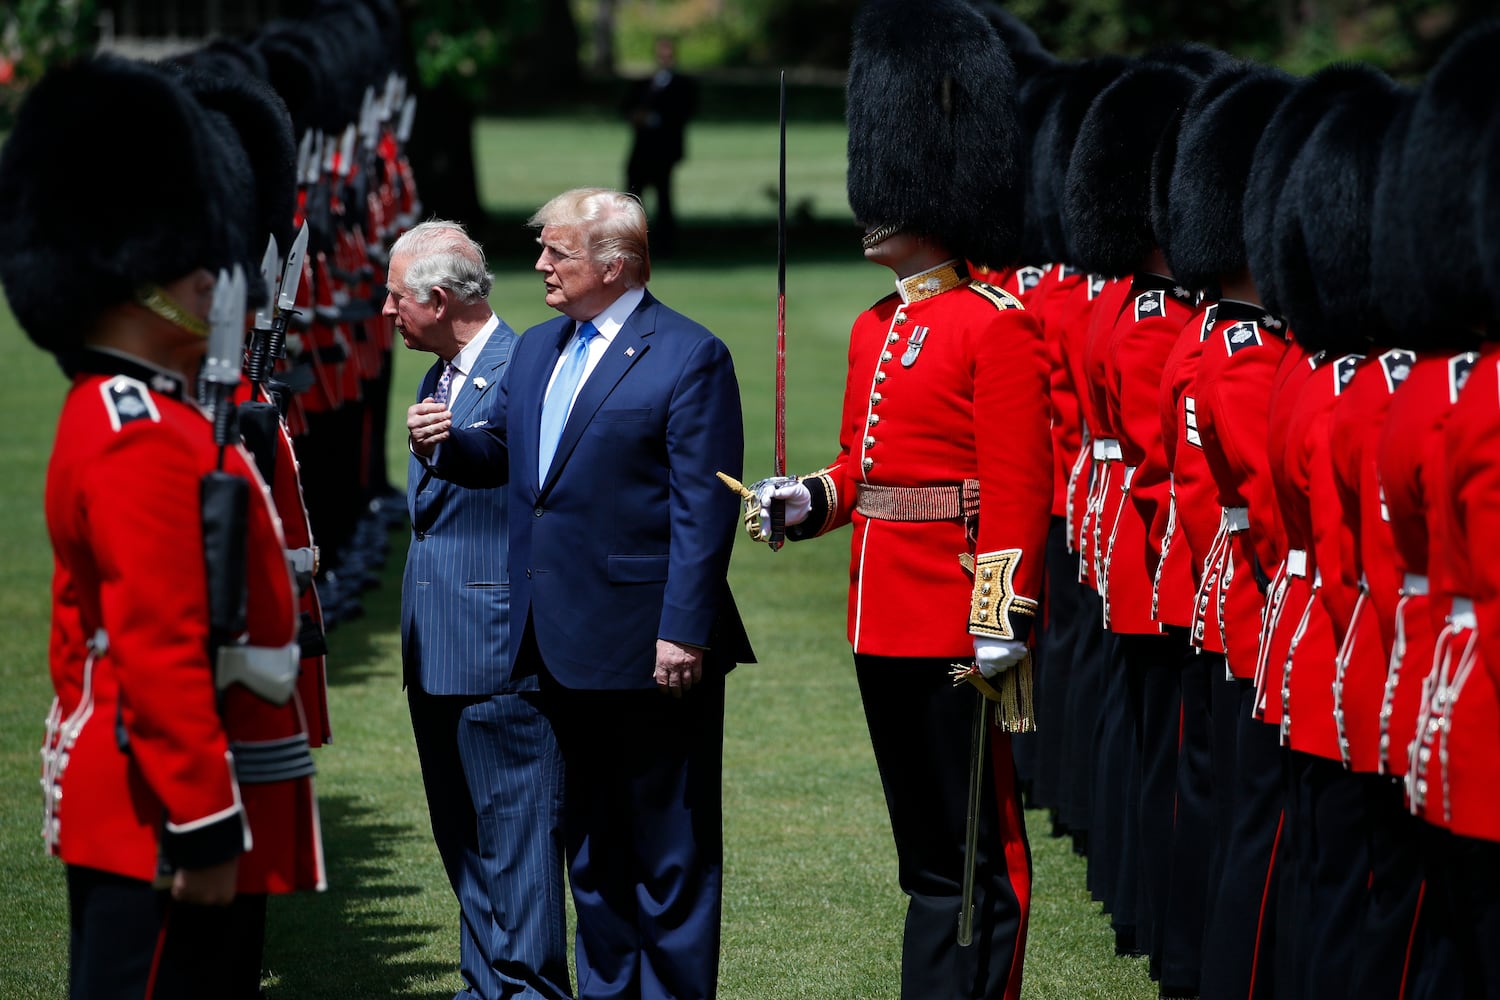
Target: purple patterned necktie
440,394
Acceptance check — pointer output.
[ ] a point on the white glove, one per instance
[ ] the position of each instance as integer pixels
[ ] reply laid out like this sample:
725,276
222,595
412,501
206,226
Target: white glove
995,656
758,518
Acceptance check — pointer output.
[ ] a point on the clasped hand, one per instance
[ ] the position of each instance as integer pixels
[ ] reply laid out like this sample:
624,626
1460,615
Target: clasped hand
427,423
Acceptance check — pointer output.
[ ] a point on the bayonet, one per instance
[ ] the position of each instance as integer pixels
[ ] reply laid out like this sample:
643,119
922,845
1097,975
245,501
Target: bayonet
258,364
220,373
408,113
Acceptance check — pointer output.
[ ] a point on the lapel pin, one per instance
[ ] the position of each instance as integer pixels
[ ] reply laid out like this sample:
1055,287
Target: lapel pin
480,383
630,352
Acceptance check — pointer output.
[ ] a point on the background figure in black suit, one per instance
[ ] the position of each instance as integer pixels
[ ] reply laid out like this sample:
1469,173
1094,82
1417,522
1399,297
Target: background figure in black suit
658,109
490,761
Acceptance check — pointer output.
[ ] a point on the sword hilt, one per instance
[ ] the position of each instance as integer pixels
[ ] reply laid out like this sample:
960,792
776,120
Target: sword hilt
778,524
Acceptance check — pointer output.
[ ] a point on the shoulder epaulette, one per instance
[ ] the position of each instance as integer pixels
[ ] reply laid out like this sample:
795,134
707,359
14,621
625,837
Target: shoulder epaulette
1397,365
998,296
1209,315
1459,367
1150,305
127,400
1343,372
1242,335
1029,277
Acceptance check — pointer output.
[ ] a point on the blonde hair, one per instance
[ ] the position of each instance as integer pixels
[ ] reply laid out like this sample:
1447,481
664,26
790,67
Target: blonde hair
612,223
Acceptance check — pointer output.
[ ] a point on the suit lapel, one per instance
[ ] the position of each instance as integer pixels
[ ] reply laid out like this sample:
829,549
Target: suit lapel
496,352
628,347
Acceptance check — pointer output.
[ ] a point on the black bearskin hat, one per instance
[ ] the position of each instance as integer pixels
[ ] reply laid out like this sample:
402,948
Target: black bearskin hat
1107,200
933,141
1487,204
1272,236
1203,232
71,247
264,130
1026,50
1333,184
1433,209
1076,87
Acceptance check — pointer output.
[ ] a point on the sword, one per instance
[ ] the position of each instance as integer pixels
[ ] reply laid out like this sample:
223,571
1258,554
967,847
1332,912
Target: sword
971,826
778,507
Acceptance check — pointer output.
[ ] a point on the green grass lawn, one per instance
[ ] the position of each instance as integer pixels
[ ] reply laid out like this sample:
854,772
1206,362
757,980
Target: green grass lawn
811,907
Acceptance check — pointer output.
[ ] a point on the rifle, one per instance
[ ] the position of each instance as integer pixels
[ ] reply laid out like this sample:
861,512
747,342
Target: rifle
224,498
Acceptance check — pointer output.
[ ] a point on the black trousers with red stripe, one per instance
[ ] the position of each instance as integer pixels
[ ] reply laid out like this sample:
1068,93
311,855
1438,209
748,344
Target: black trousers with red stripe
920,727
1239,941
130,941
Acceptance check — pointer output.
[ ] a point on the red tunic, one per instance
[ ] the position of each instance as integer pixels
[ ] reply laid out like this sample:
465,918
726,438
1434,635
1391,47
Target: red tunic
1370,580
291,508
1051,303
1310,512
1190,522
1075,322
1290,585
1406,463
1143,336
946,383
1107,473
1233,390
129,652
1457,758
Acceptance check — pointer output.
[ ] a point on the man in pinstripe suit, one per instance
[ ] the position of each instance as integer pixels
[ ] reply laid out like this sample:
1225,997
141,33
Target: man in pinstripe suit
490,761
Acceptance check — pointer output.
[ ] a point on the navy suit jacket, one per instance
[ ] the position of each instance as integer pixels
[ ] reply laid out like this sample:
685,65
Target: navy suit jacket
455,596
628,539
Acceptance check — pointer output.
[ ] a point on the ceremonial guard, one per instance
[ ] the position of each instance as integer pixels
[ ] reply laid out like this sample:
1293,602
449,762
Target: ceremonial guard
1108,205
176,771
931,486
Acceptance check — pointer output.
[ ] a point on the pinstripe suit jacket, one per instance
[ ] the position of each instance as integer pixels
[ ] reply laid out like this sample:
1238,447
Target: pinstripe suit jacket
455,596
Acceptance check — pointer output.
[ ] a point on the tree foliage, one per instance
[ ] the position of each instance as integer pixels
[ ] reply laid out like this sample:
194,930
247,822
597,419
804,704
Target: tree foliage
35,34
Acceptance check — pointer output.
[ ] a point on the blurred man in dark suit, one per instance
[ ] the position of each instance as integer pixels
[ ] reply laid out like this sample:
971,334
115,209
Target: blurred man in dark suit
658,109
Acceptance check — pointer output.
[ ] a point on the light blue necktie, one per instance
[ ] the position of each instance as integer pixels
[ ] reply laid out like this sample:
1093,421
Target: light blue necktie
560,398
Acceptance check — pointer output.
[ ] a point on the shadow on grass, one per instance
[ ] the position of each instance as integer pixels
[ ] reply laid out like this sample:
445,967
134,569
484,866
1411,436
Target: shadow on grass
357,939
354,657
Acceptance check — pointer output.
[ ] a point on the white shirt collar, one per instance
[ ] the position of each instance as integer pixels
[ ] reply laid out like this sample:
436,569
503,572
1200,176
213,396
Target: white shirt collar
609,322
463,361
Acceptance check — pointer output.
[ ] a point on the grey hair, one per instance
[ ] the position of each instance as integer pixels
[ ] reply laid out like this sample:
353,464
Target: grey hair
613,224
441,255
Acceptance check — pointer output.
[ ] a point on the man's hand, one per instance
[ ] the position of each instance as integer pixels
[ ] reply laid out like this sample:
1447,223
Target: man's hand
206,886
995,656
678,667
758,505
427,423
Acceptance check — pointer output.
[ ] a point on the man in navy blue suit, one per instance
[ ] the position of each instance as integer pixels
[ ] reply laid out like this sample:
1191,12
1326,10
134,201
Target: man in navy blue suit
608,429
490,761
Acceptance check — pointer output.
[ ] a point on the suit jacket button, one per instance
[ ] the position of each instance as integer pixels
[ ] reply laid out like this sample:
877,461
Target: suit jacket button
421,535
538,512
528,574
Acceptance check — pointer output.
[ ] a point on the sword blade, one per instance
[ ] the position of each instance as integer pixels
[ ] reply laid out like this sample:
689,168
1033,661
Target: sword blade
780,456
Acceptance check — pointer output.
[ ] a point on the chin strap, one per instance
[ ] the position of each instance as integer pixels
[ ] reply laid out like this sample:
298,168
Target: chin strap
155,299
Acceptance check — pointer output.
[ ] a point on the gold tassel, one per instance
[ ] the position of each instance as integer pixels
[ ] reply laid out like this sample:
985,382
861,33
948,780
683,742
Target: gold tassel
1015,710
